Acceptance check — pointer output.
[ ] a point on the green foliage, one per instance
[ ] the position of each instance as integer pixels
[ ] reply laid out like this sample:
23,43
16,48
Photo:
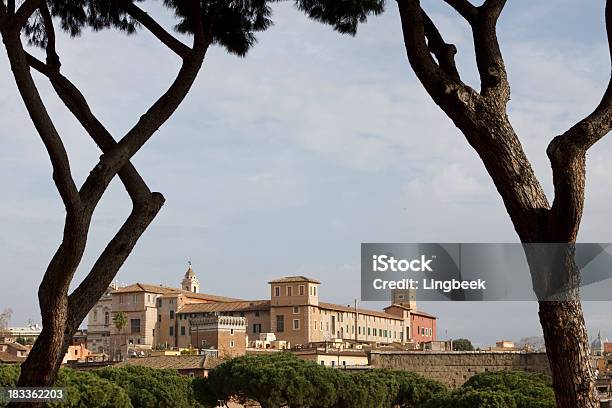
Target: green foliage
471,398
120,321
527,389
282,379
232,24
9,373
148,387
343,15
83,389
462,345
499,390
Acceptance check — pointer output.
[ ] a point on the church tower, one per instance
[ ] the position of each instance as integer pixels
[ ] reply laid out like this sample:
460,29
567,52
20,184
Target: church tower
190,282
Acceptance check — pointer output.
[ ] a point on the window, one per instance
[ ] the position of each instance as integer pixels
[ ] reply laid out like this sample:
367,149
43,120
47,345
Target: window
302,290
257,313
296,309
121,299
315,325
280,323
231,332
314,290
134,325
148,298
289,290
106,318
171,331
182,330
159,303
172,314
368,331
95,315
296,324
277,291
134,299
322,363
257,328
159,318
232,343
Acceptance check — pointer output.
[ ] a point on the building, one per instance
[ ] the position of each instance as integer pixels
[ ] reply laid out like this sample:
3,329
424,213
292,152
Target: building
160,317
15,349
334,357
76,353
227,334
191,365
99,324
26,334
504,345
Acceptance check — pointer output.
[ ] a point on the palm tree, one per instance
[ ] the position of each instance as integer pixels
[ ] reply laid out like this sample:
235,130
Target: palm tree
120,320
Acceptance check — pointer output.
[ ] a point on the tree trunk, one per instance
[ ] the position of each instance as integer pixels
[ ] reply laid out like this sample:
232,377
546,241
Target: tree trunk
44,360
567,348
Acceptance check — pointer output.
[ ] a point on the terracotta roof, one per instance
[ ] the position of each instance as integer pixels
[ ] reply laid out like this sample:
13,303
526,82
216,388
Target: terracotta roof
242,306
412,311
10,358
204,296
420,313
15,345
144,287
288,279
173,362
331,306
165,290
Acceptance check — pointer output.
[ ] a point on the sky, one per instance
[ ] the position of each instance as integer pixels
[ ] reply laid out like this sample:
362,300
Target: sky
283,162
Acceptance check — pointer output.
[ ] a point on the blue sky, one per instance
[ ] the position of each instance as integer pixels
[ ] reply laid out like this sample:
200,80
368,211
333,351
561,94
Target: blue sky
285,161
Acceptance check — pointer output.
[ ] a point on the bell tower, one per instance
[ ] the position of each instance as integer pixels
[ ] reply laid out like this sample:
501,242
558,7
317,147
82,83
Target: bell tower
190,282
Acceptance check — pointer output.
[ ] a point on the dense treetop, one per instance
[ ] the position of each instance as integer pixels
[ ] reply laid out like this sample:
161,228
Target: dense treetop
231,24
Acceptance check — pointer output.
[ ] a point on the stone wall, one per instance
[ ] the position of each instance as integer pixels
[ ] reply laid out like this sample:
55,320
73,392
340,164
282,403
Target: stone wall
454,368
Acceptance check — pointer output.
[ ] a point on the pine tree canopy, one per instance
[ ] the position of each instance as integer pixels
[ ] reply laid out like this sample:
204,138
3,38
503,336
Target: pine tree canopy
232,24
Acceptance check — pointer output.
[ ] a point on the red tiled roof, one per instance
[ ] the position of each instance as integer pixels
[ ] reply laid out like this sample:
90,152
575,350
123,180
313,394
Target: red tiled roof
242,306
420,313
165,290
288,279
10,358
331,306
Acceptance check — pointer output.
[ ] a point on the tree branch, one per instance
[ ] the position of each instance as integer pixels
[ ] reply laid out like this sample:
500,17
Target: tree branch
149,122
567,154
489,59
62,174
445,53
78,106
24,12
83,298
157,30
466,9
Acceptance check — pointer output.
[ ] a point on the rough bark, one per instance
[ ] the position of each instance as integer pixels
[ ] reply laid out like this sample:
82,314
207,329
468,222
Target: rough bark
62,312
483,120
